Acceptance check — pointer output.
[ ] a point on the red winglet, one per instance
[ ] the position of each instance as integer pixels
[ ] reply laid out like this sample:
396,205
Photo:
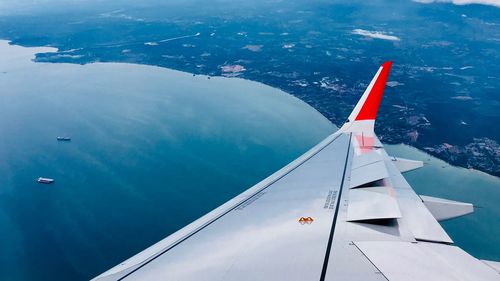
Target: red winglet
370,106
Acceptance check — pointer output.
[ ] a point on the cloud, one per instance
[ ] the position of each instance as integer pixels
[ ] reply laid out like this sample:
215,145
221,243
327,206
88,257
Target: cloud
375,34
394,84
495,3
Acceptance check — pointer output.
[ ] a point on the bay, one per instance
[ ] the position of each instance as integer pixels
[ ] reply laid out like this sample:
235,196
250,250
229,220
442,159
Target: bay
153,149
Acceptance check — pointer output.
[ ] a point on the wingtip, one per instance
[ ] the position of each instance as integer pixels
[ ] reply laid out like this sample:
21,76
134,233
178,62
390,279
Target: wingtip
370,106
387,64
366,109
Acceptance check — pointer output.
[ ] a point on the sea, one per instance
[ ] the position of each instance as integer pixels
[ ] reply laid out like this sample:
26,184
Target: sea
153,149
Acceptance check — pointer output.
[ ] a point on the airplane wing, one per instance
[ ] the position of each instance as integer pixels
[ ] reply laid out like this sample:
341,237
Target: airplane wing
342,211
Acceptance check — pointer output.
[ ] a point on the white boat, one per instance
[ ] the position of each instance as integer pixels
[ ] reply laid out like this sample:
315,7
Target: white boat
45,180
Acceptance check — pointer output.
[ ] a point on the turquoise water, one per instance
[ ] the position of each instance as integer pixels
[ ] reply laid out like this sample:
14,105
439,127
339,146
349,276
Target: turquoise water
153,149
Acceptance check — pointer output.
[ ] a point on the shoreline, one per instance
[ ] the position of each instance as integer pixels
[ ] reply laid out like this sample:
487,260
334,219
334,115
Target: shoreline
51,49
472,170
144,140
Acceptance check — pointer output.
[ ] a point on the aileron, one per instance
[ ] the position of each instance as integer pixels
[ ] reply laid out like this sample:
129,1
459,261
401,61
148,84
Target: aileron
403,261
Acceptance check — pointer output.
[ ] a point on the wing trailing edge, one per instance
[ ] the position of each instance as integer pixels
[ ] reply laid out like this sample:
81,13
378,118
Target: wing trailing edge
362,118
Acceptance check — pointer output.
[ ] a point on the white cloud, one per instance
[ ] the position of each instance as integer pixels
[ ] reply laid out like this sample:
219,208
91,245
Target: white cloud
394,84
495,3
375,34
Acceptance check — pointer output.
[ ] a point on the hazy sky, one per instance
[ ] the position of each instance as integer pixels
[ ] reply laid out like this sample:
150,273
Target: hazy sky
33,6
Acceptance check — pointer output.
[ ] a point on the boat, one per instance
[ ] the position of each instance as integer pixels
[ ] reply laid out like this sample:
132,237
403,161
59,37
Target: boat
63,138
45,180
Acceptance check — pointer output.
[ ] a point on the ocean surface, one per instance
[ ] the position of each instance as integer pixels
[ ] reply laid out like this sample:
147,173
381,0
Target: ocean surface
153,149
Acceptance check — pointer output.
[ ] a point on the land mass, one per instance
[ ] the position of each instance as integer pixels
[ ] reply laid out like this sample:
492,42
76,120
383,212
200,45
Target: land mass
442,94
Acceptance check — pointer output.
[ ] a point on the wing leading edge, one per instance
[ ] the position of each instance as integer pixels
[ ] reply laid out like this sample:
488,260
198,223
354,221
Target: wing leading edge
341,211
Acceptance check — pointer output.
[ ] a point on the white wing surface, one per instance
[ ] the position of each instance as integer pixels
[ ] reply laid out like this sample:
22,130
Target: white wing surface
342,211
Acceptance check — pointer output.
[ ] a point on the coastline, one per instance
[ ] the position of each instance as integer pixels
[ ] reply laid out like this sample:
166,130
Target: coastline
145,139
146,142
50,49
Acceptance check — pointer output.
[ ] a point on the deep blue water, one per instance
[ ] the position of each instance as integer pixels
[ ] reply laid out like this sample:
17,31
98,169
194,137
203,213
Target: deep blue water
153,149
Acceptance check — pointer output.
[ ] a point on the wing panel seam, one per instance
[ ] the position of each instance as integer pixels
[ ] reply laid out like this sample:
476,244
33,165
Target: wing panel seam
370,261
335,215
